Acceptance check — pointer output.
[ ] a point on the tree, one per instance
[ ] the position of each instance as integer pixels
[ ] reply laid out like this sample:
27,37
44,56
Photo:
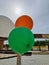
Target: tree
43,43
7,46
37,43
47,43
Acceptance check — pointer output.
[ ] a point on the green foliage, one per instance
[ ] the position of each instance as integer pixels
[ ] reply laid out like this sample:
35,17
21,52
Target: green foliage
41,43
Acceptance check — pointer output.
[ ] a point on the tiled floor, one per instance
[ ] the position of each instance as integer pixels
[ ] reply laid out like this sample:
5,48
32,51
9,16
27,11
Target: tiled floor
28,60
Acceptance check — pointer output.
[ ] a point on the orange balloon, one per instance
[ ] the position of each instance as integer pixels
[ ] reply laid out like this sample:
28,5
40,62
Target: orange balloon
24,21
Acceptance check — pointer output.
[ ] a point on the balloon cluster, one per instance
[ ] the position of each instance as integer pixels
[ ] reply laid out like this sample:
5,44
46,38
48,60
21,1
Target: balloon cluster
21,39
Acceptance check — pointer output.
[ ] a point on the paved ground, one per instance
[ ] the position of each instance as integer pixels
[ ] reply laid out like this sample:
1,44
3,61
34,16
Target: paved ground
28,60
40,52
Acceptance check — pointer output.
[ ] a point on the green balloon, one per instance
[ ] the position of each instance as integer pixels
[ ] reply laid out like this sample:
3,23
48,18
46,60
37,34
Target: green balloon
21,40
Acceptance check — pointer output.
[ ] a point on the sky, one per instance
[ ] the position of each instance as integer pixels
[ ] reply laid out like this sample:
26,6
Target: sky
38,10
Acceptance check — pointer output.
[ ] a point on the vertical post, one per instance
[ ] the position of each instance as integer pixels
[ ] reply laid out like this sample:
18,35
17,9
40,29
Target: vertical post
18,59
1,44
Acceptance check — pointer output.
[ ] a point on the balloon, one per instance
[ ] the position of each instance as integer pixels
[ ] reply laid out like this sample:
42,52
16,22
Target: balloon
6,25
21,40
24,21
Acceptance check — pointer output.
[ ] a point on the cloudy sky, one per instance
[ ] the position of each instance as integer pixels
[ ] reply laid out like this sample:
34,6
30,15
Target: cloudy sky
38,10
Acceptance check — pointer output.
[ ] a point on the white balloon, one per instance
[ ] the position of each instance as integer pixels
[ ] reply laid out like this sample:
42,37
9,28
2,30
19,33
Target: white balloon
6,25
